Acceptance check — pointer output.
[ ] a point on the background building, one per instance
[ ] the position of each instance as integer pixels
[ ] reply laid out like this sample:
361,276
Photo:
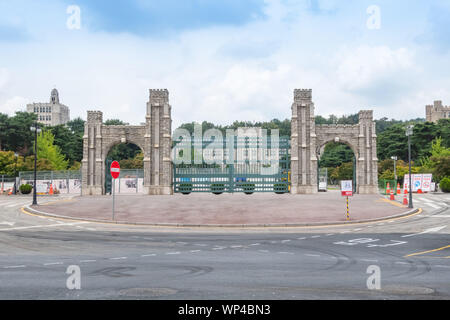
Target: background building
51,114
437,111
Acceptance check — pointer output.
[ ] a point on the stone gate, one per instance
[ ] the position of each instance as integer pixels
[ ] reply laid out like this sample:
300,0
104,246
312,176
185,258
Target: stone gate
154,139
308,139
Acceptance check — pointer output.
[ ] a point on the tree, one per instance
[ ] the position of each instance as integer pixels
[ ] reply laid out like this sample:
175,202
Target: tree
46,149
4,123
335,154
70,143
19,136
76,126
115,122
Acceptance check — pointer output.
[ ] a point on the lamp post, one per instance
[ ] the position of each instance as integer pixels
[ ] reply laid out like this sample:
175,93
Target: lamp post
15,173
395,158
36,130
409,133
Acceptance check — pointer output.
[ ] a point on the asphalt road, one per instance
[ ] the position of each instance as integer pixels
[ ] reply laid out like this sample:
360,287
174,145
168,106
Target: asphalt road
130,262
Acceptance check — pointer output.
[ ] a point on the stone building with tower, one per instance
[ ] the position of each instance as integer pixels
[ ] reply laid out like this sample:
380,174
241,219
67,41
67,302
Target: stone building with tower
52,113
437,111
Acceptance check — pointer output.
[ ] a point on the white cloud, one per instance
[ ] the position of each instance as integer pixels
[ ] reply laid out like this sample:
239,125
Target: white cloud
4,77
366,66
13,104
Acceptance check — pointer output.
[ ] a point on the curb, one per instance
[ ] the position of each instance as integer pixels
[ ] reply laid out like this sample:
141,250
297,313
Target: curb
231,226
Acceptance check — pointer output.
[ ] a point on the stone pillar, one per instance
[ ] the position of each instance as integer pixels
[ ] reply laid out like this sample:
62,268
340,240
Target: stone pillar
367,161
157,160
303,144
92,168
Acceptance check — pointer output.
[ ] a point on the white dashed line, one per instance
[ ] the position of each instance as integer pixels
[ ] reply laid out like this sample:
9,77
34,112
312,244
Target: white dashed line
255,244
315,237
369,260
285,241
172,253
194,251
312,255
282,252
148,255
53,263
14,267
301,238
264,251
87,261
118,258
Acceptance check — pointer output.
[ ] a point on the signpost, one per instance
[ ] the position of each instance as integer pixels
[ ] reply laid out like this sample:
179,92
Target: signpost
347,191
115,173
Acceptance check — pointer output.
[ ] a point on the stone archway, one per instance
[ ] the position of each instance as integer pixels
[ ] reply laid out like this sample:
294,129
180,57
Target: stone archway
154,138
307,138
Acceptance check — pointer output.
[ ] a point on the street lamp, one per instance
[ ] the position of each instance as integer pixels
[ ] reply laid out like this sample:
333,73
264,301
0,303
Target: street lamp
409,133
36,130
15,173
395,158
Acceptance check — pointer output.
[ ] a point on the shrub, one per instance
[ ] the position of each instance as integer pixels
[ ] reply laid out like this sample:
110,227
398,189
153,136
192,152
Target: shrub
185,188
25,189
280,188
249,188
445,184
217,188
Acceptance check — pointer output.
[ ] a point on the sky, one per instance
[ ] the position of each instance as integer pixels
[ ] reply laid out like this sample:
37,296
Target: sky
226,60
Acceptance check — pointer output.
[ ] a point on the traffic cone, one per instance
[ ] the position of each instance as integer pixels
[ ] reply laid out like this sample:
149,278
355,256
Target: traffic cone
388,189
51,190
405,198
419,191
392,195
399,191
10,192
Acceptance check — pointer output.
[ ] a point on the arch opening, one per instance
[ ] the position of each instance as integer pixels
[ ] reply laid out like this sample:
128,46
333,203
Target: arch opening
131,159
336,162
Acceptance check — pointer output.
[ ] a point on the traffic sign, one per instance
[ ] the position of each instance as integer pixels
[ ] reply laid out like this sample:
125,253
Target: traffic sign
347,188
115,169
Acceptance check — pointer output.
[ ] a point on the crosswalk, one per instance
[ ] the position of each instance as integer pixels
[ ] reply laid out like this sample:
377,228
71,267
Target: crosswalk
14,203
431,202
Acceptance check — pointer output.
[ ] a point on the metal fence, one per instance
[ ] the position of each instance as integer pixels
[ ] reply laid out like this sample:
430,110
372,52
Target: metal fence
247,164
6,184
64,182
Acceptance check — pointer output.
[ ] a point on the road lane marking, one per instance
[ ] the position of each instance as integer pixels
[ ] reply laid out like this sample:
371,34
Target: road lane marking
45,226
15,267
118,258
172,253
439,216
436,229
312,255
433,205
301,238
87,261
53,263
283,252
315,237
194,251
428,251
148,255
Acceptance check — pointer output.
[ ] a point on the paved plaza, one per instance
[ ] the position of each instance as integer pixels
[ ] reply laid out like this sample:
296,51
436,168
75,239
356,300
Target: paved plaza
227,209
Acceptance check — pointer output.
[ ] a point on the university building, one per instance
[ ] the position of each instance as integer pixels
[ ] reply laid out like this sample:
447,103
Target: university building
51,114
437,111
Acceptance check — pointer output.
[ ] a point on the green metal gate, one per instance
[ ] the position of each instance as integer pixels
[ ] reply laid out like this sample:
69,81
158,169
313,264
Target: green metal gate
248,165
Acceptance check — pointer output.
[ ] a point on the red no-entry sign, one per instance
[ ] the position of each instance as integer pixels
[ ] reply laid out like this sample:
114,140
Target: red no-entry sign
115,169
